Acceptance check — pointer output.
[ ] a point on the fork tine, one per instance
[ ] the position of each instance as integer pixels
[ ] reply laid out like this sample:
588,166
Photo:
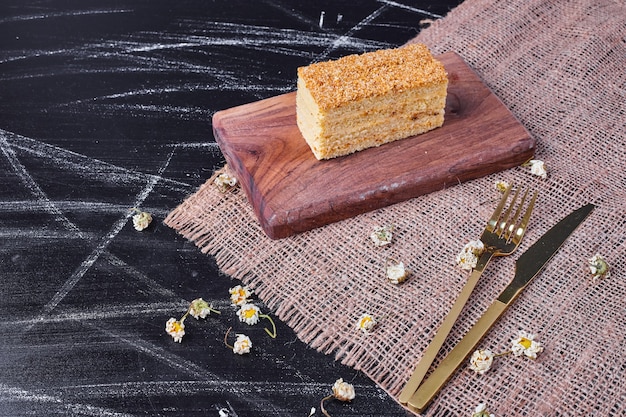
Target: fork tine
511,222
521,228
493,221
503,225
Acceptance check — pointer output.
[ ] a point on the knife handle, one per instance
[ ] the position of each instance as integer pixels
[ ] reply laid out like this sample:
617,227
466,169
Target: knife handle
444,329
427,391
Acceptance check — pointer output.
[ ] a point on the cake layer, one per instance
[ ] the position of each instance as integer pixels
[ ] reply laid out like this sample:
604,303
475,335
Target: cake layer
361,101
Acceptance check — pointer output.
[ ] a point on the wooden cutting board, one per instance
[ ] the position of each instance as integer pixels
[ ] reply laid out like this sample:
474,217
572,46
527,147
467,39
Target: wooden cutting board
291,191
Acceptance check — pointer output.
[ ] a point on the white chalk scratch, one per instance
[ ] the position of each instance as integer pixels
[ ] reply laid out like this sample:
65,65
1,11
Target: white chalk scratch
10,394
346,38
31,184
81,165
69,13
410,8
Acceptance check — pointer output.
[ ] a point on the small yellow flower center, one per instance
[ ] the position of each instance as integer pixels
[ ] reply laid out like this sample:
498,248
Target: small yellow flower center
176,327
525,342
249,313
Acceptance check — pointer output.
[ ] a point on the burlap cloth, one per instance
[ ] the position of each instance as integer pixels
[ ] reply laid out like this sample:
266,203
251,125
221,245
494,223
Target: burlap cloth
560,66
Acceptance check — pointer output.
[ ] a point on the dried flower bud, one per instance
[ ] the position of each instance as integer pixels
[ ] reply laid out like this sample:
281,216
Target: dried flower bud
242,345
598,267
343,391
501,186
239,295
141,220
200,309
382,235
396,272
468,257
481,411
481,361
538,168
225,182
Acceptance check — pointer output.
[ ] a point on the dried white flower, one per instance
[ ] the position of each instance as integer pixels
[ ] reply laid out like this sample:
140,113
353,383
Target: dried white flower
396,272
382,235
366,323
242,345
249,314
176,329
468,257
343,391
501,185
525,344
200,309
225,182
141,220
538,168
481,361
481,411
599,267
239,295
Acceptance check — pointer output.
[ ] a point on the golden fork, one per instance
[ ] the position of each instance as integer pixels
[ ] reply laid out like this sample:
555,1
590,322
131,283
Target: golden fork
502,236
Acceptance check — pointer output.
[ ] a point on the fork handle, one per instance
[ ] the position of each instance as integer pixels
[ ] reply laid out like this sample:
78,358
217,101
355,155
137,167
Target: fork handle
444,330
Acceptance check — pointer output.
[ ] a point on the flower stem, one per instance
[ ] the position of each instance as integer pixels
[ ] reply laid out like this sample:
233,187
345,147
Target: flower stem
182,319
226,336
508,352
322,405
271,333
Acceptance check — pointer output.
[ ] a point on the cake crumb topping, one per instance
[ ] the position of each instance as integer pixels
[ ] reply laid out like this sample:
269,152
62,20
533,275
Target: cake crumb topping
356,77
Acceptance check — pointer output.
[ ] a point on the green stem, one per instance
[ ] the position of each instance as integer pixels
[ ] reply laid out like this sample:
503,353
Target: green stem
182,319
271,333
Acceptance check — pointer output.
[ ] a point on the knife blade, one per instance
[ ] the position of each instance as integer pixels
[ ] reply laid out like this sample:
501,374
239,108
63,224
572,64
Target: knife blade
528,266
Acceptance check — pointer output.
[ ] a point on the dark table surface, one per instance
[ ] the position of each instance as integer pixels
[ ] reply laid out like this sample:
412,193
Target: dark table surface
105,106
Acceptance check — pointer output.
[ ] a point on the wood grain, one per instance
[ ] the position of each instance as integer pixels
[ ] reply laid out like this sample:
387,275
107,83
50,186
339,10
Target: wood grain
292,192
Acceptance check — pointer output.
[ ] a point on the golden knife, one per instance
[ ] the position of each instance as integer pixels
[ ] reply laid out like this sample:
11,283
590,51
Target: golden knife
528,266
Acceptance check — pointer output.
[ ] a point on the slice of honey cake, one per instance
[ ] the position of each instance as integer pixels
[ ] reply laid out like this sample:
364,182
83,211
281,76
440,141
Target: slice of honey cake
361,101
